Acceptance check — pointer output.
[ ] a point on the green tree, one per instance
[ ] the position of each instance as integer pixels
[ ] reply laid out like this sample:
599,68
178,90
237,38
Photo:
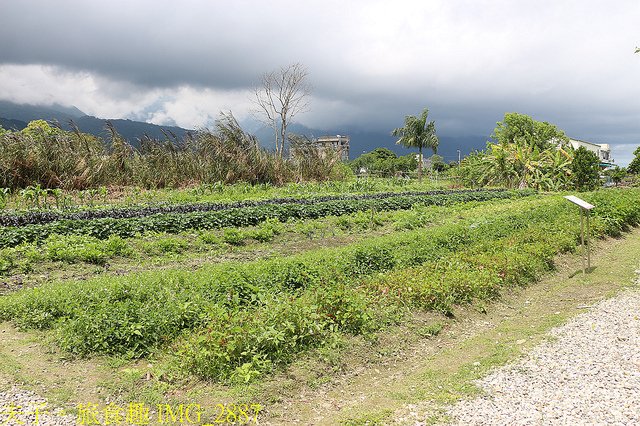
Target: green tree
418,133
525,153
522,130
617,174
378,160
385,162
585,170
405,163
634,165
41,130
437,163
383,154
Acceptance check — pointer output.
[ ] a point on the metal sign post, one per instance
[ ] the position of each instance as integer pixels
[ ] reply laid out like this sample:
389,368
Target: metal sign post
584,211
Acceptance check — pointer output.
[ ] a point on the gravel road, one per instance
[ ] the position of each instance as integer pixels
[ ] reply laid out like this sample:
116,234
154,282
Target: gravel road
20,407
588,374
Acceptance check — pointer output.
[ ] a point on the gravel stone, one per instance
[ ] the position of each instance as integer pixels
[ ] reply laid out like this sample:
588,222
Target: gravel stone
20,407
589,373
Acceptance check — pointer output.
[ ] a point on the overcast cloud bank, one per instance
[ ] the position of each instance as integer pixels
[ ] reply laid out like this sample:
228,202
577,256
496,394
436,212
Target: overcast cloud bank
571,63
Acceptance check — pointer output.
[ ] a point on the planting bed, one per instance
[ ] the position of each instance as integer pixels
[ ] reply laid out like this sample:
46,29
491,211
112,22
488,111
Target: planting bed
220,216
237,321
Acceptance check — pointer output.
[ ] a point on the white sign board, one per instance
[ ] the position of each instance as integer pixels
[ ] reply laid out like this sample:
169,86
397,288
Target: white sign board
578,201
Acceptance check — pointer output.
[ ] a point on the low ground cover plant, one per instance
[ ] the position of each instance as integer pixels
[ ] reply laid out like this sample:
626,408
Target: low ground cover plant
40,217
236,217
236,321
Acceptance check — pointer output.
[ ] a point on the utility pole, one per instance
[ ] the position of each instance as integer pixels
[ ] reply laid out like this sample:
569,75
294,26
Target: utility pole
458,157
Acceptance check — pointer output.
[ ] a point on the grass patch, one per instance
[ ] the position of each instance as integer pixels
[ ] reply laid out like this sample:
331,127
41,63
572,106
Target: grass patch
347,370
430,330
249,318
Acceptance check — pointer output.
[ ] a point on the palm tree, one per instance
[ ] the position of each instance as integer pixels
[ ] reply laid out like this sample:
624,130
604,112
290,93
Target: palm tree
417,133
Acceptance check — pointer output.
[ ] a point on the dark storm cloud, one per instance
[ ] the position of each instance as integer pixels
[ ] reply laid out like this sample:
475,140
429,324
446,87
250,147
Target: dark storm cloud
370,62
147,43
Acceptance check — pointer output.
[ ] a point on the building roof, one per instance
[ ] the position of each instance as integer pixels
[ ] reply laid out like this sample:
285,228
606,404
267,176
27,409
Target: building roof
588,143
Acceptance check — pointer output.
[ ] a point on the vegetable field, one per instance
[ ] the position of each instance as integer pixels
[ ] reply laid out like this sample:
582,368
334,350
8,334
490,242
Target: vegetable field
278,277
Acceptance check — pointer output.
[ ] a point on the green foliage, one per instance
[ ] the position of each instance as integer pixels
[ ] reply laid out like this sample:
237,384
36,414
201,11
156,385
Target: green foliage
437,163
384,162
233,236
368,259
237,321
267,230
220,192
49,157
41,130
418,133
230,285
617,174
522,130
383,154
526,154
81,248
34,196
316,163
19,259
165,245
585,169
245,345
237,217
210,237
417,217
634,165
53,158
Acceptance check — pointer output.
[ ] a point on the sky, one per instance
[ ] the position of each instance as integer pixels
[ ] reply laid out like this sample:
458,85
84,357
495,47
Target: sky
370,63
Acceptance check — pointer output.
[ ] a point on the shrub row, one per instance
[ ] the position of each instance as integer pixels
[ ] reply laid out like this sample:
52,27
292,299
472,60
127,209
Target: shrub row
42,217
247,216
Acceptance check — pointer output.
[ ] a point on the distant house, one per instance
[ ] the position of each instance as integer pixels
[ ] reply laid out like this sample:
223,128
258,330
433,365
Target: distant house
338,143
603,151
426,161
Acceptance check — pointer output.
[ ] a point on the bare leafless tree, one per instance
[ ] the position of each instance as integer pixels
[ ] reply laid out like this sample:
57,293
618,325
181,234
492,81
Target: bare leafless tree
282,95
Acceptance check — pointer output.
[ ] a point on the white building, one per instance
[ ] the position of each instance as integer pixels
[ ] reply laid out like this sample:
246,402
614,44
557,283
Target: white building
603,151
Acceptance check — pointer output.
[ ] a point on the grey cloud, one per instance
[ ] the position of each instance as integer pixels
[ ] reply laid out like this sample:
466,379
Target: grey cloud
370,62
158,45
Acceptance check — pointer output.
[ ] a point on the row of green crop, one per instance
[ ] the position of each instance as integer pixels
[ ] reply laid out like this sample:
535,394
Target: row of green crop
452,264
249,317
175,223
73,249
41,217
38,197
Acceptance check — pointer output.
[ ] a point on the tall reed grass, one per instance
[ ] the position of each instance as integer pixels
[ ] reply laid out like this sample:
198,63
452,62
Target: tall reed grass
48,156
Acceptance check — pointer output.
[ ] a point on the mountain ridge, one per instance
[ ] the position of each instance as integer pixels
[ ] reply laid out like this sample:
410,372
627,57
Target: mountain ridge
16,116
